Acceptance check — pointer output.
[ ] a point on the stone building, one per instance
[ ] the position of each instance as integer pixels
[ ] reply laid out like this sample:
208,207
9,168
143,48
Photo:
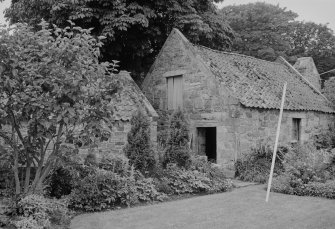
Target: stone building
126,103
233,100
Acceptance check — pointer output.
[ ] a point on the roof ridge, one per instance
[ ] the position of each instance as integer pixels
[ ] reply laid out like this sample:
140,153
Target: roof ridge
236,54
303,78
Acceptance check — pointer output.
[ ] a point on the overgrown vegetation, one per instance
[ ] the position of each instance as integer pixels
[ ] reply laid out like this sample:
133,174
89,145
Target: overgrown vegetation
177,145
37,212
255,166
139,149
307,171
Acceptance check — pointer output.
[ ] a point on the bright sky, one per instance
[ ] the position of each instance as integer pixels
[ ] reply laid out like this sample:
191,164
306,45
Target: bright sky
318,11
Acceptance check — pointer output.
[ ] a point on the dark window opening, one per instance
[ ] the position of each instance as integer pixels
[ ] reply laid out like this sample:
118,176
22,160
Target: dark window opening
207,142
296,129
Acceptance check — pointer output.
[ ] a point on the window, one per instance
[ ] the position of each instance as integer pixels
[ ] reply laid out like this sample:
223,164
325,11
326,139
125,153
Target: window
175,92
296,129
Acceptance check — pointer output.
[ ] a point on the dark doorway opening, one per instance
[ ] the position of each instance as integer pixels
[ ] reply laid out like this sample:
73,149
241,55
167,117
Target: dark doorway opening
207,142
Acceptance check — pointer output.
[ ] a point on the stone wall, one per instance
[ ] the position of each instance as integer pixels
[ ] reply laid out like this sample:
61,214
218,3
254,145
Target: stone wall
118,138
242,128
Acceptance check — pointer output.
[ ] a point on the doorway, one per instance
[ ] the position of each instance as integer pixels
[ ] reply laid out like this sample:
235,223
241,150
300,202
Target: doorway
207,142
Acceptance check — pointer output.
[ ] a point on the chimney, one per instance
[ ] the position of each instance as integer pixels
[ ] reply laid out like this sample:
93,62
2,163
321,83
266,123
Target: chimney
307,68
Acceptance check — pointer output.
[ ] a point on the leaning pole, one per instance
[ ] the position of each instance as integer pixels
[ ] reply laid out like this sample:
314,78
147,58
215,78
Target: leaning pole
276,143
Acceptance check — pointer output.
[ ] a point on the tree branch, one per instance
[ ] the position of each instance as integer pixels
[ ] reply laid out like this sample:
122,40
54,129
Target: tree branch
51,158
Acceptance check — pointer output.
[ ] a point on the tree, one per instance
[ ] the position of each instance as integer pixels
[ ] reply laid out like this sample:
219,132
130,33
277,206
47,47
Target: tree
52,88
329,90
315,40
177,145
135,29
139,148
261,29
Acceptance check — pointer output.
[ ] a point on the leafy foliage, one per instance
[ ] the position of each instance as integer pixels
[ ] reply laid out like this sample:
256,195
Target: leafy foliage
308,172
103,189
329,89
52,87
261,28
177,146
139,149
308,164
315,40
181,181
37,212
60,183
255,166
135,30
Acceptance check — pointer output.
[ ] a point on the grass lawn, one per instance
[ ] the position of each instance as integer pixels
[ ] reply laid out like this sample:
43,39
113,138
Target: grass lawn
243,208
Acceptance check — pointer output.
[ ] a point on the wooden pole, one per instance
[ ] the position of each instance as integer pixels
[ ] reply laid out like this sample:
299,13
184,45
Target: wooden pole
276,143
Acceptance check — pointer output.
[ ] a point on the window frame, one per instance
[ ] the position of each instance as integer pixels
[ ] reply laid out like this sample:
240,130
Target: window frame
296,129
174,104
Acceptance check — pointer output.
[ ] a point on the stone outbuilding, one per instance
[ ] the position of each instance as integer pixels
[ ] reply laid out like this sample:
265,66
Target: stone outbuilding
126,103
233,100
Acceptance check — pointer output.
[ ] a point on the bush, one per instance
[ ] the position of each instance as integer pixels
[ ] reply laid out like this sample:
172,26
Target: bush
307,163
326,190
105,189
101,190
256,165
177,146
118,164
325,138
282,184
308,172
36,212
176,180
290,185
139,149
146,189
60,183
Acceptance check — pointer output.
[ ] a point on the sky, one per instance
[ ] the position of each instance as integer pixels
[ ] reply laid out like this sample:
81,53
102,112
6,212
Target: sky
318,11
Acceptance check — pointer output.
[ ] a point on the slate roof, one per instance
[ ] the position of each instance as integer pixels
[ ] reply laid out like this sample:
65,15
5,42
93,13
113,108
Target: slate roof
130,99
259,83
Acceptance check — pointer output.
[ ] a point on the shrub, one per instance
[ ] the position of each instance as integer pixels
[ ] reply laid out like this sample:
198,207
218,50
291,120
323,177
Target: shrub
282,184
38,212
181,181
177,146
290,185
307,172
307,163
255,166
146,189
325,138
60,183
139,149
326,190
103,189
211,169
118,164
